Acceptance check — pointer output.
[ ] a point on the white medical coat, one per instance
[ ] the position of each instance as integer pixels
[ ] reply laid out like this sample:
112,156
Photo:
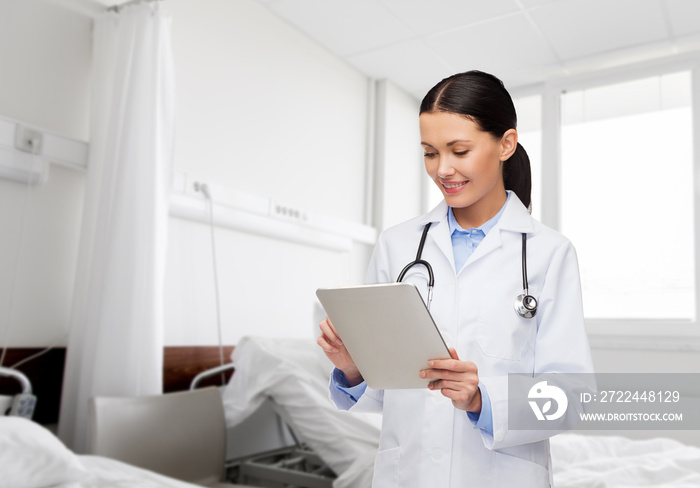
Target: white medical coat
425,441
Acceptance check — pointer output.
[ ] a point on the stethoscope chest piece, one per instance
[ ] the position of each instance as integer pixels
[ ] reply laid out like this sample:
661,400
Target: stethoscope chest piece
526,306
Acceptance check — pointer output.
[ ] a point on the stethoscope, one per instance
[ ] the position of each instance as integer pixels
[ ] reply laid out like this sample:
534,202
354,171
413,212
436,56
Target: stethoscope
525,305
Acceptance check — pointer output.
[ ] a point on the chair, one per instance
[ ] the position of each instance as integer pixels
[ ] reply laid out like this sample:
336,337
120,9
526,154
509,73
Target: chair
181,435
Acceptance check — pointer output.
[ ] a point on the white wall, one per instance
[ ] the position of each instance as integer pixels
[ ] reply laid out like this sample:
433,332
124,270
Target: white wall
399,172
44,81
45,66
262,109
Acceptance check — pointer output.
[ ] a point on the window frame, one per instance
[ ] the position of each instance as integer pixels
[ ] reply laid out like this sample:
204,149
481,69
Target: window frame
683,333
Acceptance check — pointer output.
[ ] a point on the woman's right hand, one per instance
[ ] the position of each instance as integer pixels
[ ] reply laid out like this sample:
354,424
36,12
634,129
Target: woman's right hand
335,350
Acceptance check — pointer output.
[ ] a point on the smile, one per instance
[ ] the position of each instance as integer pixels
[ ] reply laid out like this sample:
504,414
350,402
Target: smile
453,187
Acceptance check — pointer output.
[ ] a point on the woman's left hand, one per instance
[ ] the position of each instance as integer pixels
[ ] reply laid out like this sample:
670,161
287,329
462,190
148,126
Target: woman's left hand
457,380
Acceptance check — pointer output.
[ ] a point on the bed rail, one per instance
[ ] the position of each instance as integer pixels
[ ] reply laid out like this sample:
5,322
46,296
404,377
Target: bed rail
23,404
209,373
19,376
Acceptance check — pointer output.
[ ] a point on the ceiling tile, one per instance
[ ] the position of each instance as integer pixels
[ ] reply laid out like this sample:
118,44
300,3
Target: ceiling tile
684,16
531,75
344,28
411,65
429,16
578,28
500,46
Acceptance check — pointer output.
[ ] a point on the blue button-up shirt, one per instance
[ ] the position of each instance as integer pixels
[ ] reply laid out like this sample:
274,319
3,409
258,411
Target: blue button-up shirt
464,242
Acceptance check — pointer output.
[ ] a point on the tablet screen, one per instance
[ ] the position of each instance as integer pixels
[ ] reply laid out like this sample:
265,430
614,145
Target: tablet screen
387,330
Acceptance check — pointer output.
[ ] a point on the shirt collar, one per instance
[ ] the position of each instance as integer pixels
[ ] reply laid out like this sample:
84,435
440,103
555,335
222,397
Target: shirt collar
485,227
515,216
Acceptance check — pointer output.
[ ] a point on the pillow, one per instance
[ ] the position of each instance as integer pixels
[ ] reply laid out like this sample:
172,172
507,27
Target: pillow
32,457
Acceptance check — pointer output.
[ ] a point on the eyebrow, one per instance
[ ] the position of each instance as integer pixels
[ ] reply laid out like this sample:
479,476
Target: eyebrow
449,144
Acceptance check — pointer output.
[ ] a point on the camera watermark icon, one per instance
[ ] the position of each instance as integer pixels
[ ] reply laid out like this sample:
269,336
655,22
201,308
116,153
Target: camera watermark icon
541,391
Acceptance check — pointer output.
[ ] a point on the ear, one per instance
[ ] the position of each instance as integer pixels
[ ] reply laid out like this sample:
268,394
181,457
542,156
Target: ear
509,143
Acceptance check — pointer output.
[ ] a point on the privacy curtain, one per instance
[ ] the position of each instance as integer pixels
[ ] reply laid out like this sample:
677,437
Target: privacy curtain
115,346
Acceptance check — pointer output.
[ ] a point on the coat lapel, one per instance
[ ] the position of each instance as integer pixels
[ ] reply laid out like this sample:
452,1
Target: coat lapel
515,218
440,231
491,241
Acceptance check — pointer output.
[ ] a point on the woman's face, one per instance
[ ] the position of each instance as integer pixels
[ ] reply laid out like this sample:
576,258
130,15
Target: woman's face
465,162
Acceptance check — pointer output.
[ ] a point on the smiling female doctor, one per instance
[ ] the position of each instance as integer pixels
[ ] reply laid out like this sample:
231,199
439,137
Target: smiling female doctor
455,433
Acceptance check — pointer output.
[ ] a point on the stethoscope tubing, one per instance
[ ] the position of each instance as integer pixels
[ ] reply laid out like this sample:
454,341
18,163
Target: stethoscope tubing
525,305
418,260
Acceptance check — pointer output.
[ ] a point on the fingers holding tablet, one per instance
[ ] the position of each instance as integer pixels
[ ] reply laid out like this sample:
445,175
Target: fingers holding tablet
335,350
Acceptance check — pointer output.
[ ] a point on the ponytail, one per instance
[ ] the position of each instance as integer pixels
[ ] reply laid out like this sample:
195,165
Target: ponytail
517,176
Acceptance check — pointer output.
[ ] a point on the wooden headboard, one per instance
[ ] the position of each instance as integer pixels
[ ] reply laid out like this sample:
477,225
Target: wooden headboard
180,365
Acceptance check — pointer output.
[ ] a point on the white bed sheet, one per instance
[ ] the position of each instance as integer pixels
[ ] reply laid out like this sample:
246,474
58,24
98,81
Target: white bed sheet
600,461
295,374
33,457
110,473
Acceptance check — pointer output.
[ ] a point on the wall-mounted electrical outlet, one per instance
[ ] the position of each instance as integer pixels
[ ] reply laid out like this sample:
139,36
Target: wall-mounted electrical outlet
28,140
202,188
283,211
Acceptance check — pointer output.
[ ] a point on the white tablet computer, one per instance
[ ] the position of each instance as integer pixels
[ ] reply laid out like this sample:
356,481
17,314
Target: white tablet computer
387,330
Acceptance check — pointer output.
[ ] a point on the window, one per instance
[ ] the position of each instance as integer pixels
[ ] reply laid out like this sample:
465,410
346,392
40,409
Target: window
626,197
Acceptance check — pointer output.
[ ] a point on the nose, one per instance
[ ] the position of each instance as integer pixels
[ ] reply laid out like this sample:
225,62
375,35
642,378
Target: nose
445,169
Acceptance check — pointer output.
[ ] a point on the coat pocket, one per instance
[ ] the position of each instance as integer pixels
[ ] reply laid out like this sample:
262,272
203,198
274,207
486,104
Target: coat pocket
511,471
503,334
386,469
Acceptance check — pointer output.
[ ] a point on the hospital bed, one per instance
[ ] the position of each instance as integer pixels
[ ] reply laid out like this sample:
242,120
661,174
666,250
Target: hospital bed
332,448
281,460
294,375
33,457
173,440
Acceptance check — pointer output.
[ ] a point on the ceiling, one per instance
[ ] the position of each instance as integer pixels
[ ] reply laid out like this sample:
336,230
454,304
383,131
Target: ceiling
415,43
